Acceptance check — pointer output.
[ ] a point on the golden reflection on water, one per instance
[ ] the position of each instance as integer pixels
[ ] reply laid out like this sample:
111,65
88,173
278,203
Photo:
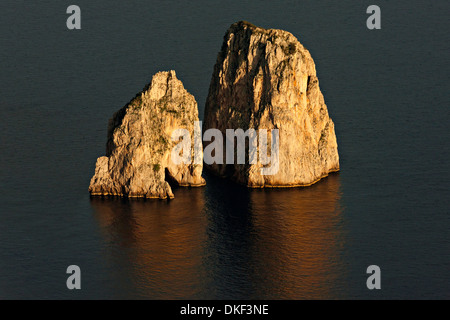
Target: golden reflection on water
300,241
154,244
226,241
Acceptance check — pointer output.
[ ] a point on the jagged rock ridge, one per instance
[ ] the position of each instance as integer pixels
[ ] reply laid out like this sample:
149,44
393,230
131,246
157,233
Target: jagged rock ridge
138,153
266,79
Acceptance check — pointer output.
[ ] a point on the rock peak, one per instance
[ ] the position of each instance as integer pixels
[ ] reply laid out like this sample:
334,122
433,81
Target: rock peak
242,25
163,76
250,27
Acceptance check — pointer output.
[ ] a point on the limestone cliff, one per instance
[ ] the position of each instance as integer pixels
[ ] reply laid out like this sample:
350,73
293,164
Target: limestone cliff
138,152
266,79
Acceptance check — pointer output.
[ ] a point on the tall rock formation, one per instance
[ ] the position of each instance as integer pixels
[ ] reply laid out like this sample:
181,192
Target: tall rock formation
138,152
266,79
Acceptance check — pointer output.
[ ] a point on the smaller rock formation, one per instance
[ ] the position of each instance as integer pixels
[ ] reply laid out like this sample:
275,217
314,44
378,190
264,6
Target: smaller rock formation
138,152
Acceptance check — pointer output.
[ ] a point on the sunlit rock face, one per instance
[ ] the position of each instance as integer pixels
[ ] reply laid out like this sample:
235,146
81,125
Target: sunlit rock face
266,79
138,152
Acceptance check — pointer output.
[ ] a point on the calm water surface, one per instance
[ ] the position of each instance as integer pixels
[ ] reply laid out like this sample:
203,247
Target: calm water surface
387,92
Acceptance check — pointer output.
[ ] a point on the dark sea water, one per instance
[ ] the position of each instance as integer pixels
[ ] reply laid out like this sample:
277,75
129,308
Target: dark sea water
386,90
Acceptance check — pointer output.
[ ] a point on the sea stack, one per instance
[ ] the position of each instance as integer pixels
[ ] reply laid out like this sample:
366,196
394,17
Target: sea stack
138,151
266,79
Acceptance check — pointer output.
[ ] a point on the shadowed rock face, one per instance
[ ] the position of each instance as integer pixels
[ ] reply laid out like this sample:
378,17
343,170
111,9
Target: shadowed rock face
265,79
138,152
